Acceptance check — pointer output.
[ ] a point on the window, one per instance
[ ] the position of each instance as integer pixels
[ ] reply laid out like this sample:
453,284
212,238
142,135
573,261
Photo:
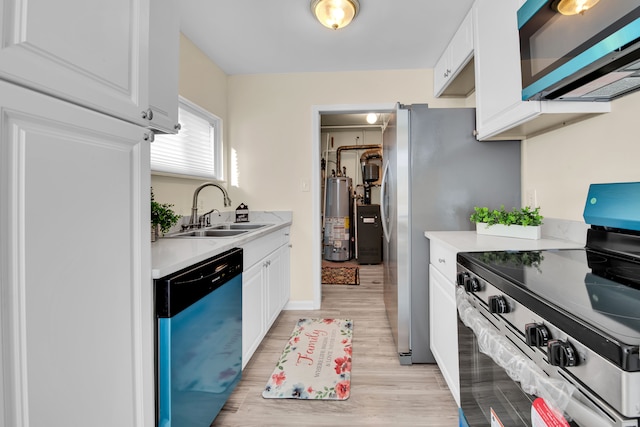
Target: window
196,150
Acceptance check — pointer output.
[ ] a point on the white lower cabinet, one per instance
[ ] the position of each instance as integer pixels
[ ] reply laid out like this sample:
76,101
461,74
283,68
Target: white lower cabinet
265,287
252,310
443,321
443,317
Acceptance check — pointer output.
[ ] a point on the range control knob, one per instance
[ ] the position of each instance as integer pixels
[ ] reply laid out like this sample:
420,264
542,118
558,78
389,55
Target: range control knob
498,304
561,353
462,277
471,284
536,335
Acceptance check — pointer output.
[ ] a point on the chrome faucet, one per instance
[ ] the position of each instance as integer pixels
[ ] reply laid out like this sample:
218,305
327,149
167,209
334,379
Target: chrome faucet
193,222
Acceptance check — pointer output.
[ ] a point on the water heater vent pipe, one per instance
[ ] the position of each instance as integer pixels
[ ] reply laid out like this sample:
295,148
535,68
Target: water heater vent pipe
353,147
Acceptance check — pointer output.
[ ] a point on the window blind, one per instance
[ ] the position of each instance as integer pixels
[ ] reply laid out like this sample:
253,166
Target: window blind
194,151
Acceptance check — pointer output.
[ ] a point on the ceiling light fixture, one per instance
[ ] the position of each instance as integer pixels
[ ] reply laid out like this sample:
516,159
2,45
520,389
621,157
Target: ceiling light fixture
372,118
335,14
573,7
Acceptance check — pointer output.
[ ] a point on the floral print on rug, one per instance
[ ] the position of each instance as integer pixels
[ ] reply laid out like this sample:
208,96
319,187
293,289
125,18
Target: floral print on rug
315,363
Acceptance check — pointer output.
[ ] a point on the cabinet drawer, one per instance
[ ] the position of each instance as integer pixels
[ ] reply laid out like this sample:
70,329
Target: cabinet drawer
284,235
444,259
257,249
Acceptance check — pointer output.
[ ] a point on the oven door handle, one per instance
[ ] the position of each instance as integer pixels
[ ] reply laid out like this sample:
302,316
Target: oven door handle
556,392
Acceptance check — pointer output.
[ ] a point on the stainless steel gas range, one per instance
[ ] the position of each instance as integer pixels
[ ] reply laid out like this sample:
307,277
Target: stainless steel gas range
552,337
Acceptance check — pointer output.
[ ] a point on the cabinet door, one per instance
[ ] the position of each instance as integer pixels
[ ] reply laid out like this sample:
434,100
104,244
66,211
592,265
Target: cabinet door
443,329
452,65
500,111
75,277
497,60
164,48
461,45
93,53
274,286
442,72
252,310
286,274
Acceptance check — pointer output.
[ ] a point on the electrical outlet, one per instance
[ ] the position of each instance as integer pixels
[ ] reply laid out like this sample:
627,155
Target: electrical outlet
532,199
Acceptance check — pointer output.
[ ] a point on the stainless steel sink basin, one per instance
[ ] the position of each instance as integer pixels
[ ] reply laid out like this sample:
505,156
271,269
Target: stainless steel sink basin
247,226
214,233
210,233
221,230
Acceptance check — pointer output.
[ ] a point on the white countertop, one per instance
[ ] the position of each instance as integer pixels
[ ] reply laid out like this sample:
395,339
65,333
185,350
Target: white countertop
470,241
170,254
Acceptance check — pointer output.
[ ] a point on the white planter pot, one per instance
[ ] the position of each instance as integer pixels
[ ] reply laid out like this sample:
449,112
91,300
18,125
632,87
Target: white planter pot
517,231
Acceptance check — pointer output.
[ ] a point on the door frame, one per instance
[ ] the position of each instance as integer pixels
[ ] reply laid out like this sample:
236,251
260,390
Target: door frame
316,156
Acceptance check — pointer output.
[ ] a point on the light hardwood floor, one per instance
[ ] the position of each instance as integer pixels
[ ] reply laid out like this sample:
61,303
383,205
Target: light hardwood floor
383,392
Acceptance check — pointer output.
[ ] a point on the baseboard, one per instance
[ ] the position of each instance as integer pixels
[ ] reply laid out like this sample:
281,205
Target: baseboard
299,305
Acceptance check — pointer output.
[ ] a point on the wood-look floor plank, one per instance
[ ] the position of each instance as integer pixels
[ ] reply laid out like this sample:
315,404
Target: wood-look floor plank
383,392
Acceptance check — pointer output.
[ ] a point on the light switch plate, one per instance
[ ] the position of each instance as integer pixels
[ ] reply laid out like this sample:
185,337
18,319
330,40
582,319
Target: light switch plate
532,199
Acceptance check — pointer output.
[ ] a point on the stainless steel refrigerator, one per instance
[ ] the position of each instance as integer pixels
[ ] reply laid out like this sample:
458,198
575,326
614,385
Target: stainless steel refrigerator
435,172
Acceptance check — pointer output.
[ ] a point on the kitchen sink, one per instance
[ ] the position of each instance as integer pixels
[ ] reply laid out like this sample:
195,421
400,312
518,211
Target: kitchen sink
221,230
240,226
210,233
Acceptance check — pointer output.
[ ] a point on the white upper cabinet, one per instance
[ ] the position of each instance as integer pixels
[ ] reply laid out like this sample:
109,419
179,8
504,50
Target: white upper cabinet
500,111
164,48
453,73
95,54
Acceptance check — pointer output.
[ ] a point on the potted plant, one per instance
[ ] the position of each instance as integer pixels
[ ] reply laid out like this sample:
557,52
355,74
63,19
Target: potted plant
162,218
523,223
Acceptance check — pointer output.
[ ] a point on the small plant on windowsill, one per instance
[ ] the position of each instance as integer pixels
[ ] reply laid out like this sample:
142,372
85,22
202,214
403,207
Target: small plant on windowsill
524,222
162,218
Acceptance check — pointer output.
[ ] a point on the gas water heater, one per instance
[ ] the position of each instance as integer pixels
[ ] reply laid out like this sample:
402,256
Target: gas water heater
337,224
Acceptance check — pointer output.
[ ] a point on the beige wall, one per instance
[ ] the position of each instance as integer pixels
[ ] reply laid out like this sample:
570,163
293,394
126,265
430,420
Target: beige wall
205,84
560,165
270,126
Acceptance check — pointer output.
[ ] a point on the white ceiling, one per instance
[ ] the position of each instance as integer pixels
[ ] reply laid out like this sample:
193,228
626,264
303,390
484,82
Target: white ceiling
282,36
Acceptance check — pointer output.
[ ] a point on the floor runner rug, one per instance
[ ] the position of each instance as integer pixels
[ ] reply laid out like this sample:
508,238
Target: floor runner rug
340,275
315,363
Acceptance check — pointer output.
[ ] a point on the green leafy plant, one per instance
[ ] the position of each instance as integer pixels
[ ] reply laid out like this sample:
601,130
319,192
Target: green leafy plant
162,215
525,216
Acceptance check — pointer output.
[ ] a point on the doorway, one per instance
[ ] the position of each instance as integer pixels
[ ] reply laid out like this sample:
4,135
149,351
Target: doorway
349,121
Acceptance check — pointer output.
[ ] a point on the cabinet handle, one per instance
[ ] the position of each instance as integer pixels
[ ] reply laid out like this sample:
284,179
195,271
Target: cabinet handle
149,136
177,126
148,114
442,260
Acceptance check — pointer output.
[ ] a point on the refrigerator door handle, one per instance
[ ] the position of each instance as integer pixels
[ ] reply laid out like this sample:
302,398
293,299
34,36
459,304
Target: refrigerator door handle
384,202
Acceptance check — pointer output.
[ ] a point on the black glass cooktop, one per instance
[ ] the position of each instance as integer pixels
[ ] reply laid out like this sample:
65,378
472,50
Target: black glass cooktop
588,294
